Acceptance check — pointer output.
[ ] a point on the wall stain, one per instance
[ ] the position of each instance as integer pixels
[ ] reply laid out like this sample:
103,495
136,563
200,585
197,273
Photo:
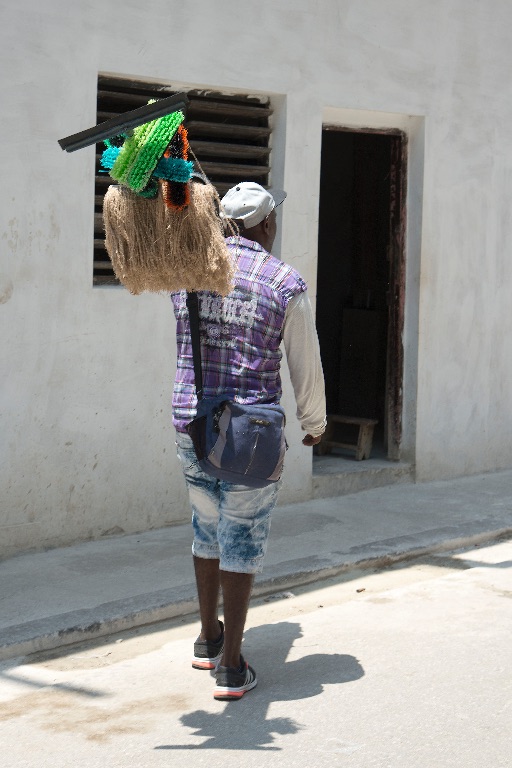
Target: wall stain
13,236
6,289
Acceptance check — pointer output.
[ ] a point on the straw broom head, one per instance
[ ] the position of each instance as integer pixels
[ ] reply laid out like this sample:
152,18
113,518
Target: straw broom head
156,248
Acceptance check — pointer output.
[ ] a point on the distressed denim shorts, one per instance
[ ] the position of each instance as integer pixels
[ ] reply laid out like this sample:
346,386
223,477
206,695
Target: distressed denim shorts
231,522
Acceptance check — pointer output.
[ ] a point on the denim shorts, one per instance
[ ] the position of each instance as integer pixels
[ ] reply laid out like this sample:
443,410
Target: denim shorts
231,522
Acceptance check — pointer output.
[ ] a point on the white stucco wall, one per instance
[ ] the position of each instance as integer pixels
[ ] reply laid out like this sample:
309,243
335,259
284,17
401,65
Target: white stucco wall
87,445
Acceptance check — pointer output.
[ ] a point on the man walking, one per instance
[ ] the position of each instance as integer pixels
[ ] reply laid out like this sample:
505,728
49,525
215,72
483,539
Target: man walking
240,351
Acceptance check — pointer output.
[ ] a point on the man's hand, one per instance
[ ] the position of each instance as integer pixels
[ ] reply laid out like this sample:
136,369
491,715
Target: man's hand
310,440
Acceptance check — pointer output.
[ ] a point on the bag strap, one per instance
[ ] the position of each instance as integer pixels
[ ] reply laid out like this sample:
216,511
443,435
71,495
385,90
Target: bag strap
193,314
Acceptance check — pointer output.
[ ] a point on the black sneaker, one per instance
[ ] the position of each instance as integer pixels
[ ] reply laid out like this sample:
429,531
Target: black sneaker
233,683
208,653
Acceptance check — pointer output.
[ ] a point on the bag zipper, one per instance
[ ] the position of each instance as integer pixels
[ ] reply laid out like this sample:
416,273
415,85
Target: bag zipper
252,453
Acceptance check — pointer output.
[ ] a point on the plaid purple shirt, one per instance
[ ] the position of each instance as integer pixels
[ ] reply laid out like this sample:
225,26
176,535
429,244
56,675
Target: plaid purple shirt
240,334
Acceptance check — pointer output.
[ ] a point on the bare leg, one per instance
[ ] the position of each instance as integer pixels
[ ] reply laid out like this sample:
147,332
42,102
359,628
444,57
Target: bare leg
236,592
208,582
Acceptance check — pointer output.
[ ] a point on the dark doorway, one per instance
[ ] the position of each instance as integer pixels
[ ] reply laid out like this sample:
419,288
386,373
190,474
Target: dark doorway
361,278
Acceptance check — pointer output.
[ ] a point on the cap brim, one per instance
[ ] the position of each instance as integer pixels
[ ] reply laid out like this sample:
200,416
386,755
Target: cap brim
279,196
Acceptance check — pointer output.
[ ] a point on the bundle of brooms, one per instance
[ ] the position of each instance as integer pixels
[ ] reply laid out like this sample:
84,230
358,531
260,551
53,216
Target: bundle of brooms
163,229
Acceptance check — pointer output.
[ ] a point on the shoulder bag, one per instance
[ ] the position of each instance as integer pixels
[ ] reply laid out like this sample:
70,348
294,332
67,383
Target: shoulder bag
243,444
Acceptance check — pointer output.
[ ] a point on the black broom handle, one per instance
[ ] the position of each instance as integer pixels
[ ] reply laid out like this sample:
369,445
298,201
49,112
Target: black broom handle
125,121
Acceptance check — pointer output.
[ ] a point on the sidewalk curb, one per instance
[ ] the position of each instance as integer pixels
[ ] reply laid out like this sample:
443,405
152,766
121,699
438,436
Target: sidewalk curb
127,614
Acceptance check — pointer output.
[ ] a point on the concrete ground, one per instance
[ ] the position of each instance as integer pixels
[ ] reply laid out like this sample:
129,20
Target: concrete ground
53,598
405,667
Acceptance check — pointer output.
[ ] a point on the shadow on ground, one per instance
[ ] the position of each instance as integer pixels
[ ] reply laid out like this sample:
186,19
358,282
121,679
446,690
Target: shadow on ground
243,725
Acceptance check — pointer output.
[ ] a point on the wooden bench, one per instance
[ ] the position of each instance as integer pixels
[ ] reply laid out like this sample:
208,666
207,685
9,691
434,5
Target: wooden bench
362,447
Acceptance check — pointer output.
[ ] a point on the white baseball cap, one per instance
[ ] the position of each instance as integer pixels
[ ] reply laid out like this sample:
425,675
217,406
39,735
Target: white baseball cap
250,203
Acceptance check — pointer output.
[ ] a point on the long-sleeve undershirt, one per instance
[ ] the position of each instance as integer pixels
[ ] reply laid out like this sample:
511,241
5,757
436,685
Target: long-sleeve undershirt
303,356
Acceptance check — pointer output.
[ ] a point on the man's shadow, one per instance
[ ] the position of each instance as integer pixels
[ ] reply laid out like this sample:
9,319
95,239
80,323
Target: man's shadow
244,724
